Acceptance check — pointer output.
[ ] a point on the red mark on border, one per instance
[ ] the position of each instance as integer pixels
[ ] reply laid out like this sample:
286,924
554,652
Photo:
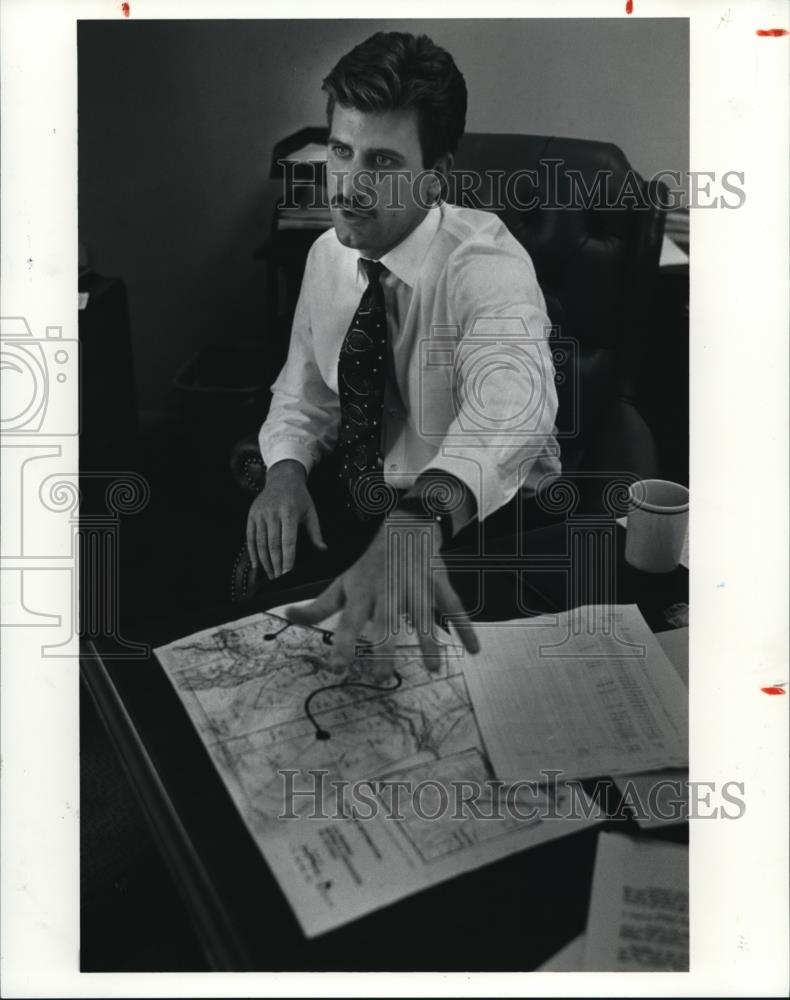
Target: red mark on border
771,32
773,690
126,10
629,6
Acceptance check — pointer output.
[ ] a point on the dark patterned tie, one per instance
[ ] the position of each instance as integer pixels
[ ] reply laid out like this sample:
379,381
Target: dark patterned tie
361,372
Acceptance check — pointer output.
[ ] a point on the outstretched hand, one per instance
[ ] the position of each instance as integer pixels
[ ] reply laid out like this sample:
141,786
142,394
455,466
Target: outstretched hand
400,574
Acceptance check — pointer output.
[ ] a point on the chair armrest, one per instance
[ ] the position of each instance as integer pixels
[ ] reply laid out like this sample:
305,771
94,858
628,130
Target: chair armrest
624,443
246,464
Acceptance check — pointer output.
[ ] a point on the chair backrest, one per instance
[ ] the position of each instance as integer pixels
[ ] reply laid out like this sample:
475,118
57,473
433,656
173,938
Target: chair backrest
593,229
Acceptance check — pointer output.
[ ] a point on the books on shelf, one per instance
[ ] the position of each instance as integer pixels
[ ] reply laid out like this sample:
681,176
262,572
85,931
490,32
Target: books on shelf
299,161
311,152
296,154
676,228
303,217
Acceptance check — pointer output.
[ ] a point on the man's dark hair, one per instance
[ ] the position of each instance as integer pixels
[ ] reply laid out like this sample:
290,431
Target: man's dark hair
395,70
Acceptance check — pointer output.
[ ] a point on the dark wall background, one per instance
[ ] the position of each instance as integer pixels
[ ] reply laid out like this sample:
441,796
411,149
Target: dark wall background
177,120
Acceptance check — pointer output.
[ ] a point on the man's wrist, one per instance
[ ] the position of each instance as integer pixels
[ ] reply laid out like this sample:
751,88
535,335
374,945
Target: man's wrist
414,509
287,468
416,520
443,498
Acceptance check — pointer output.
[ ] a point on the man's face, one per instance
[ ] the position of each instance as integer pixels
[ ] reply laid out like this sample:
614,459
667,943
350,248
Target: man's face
378,191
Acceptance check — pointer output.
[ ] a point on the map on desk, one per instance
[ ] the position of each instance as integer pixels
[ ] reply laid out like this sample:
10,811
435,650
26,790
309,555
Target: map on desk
352,790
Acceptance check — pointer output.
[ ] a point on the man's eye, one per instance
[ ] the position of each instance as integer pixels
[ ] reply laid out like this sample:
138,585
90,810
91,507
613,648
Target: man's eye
380,160
340,151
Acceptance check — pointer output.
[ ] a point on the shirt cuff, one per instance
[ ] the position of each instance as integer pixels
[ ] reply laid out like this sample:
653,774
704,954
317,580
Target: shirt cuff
286,448
482,481
435,482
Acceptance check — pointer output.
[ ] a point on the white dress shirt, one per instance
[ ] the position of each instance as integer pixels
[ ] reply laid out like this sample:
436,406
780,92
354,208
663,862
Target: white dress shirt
471,385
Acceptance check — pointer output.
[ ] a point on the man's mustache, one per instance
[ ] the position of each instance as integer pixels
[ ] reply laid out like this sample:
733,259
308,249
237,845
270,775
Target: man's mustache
363,207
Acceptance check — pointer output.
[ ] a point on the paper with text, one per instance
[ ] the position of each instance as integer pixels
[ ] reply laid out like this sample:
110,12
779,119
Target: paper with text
259,692
639,907
660,798
588,692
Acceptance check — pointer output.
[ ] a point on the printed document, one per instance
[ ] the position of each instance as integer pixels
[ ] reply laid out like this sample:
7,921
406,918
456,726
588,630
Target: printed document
588,693
639,908
357,795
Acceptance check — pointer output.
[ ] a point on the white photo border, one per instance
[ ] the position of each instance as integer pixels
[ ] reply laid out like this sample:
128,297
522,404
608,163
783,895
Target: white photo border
739,532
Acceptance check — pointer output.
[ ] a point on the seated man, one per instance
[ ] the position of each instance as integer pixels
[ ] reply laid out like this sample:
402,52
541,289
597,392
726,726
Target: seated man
419,373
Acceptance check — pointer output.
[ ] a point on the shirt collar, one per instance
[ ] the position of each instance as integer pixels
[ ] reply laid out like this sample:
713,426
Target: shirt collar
405,259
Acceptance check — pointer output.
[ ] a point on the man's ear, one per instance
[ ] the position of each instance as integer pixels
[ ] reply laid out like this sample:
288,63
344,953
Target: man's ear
444,164
440,181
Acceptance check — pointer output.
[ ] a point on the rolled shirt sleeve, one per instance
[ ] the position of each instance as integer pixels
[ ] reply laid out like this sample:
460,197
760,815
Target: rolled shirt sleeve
504,396
304,416
480,407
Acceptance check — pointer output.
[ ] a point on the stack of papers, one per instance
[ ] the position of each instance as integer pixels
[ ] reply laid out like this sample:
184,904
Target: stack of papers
639,907
660,798
313,152
638,917
586,693
357,794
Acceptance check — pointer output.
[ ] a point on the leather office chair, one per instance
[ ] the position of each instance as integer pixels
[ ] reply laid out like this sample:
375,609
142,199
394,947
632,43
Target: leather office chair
596,263
596,253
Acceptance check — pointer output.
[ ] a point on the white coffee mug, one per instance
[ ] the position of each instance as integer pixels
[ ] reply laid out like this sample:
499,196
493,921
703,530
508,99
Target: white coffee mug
658,517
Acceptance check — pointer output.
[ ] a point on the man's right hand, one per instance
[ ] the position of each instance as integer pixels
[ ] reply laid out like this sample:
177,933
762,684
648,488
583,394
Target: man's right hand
274,519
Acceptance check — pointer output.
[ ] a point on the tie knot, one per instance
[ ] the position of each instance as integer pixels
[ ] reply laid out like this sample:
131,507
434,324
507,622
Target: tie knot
372,269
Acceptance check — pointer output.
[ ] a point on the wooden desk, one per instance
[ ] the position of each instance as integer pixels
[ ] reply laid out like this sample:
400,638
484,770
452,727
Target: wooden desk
509,916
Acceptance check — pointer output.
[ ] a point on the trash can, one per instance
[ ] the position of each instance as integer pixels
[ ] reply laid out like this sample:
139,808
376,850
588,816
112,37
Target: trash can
219,395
